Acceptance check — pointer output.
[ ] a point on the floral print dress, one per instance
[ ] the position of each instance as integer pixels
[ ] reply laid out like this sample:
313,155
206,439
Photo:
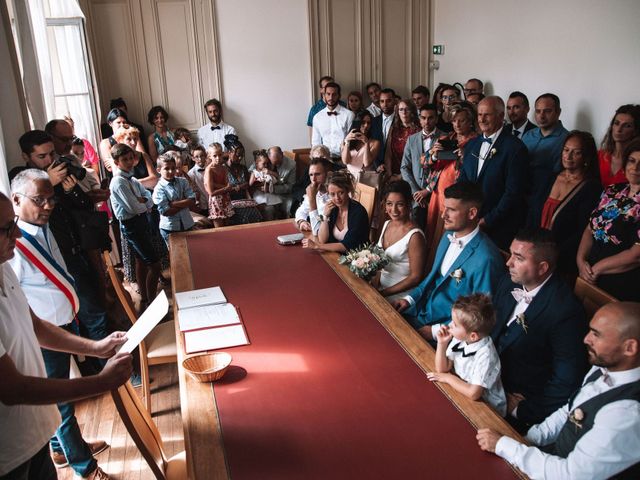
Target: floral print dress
615,225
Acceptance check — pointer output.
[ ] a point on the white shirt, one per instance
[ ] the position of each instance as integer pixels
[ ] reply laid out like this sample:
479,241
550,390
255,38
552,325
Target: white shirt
198,179
478,363
455,249
206,136
25,428
330,130
522,305
304,211
611,446
520,131
486,148
429,140
374,110
386,124
46,300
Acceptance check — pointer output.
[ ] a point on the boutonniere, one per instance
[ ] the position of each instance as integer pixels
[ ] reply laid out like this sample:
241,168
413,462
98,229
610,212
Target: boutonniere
457,275
576,417
520,320
492,152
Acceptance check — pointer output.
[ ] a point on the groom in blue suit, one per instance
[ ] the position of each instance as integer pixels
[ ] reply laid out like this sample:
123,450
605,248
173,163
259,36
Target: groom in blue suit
499,163
466,262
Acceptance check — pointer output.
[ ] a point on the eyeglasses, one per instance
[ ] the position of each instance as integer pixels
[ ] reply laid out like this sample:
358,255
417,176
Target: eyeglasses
449,97
40,201
10,230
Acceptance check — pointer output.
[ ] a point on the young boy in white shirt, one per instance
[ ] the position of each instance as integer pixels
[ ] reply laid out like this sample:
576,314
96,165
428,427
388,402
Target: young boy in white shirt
466,347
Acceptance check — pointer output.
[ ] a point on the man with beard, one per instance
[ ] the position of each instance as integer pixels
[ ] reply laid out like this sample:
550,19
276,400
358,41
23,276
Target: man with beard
597,433
216,130
332,123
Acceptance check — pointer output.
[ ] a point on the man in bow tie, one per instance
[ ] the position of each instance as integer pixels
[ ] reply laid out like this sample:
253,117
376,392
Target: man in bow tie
332,123
415,155
498,162
215,130
466,262
538,332
597,433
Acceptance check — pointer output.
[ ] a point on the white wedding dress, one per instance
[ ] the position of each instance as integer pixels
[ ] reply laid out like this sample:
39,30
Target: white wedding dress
398,267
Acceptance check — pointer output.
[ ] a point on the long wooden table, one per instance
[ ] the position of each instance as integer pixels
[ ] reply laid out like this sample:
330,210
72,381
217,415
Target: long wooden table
204,415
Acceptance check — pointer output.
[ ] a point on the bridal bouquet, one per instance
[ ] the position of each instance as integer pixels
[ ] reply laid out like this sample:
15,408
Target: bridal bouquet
365,261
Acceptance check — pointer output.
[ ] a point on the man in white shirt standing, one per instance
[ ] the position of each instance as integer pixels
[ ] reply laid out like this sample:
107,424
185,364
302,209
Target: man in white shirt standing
216,129
596,435
41,270
332,123
373,90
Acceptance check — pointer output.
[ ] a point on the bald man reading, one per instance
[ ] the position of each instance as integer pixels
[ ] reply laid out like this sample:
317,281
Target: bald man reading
597,433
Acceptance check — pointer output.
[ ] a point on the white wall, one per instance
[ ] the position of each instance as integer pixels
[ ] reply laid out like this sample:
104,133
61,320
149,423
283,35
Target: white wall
585,51
265,69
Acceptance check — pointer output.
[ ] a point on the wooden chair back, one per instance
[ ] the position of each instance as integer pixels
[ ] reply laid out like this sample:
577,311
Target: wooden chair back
592,297
142,429
302,157
367,196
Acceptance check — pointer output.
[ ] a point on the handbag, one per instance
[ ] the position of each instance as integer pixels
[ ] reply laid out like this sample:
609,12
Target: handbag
93,228
371,178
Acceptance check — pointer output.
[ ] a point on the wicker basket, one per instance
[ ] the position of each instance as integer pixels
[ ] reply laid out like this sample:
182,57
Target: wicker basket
207,367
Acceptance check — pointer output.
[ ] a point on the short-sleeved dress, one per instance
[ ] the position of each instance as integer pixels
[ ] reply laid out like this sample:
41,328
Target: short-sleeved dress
220,205
615,224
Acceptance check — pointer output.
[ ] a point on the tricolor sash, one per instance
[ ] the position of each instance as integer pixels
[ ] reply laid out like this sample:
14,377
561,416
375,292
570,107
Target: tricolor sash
43,261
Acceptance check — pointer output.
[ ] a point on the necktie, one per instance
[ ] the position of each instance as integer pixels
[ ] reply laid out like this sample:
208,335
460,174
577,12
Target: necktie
332,113
456,241
520,294
516,133
215,128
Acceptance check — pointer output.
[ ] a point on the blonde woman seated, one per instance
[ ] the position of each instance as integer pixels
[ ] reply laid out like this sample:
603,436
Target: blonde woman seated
403,242
345,223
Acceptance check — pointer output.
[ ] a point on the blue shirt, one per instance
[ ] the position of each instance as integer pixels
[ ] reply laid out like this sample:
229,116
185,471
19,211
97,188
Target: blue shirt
544,154
125,190
166,192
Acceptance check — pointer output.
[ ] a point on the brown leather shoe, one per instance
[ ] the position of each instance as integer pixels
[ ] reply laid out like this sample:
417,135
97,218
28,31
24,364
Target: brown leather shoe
60,461
97,474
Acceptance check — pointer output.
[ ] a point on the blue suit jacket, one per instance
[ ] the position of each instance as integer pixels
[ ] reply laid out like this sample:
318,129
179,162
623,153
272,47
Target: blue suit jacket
503,179
547,363
482,265
376,132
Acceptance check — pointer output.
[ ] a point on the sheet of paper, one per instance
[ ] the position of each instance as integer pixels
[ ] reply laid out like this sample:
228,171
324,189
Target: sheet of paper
147,321
214,338
202,296
207,316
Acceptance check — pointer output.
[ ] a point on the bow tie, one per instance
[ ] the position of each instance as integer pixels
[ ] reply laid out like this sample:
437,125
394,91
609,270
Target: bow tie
216,128
455,241
332,113
459,348
519,294
201,169
487,139
429,135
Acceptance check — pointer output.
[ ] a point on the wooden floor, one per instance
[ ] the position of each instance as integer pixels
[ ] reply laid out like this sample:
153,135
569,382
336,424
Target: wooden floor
99,420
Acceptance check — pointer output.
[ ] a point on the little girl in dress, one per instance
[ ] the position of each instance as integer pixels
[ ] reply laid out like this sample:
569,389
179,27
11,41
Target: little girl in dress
263,193
217,186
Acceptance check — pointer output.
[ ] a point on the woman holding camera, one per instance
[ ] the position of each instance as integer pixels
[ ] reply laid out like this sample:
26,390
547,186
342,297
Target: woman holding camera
358,150
444,172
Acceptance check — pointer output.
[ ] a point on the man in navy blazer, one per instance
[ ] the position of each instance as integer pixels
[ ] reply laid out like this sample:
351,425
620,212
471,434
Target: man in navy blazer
411,168
498,162
381,124
539,329
466,262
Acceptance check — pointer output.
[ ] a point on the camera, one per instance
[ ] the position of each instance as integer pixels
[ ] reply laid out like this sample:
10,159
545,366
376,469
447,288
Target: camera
72,168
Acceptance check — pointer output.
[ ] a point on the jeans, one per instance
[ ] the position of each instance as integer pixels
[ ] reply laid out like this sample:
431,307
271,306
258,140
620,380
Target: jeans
38,467
68,438
92,317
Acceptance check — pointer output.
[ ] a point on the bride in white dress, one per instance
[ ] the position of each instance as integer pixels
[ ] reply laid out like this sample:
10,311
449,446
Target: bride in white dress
403,242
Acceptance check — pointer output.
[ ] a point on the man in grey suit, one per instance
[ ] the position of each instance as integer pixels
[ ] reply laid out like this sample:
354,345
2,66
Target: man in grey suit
415,155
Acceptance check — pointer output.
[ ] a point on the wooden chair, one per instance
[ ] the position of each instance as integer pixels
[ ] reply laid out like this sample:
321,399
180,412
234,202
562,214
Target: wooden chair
367,196
160,345
146,436
302,157
592,297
